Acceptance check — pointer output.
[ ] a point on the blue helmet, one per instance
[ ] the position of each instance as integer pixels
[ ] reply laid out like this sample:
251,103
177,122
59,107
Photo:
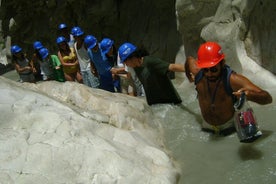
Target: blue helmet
76,31
62,26
37,45
60,39
43,52
125,50
15,49
106,45
90,41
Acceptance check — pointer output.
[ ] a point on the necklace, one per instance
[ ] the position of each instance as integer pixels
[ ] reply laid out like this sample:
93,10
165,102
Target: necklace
213,95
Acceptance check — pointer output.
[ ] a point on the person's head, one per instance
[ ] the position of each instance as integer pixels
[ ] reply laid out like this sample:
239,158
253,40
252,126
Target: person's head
62,43
15,49
63,30
16,52
78,34
106,45
211,59
43,53
130,55
62,26
37,45
90,42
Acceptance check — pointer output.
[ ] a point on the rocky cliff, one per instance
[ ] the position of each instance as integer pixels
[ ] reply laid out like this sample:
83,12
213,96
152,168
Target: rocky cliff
242,27
148,23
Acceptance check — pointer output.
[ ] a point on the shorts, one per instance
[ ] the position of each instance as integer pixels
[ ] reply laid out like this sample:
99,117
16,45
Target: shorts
89,79
224,129
27,77
127,85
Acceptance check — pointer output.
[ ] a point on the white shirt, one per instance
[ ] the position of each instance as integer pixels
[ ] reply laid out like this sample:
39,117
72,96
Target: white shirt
83,58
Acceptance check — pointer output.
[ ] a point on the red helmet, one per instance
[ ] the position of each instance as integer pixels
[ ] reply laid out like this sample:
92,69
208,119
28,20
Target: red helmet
209,54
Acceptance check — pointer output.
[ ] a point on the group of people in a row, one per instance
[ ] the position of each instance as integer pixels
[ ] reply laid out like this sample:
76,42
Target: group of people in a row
81,58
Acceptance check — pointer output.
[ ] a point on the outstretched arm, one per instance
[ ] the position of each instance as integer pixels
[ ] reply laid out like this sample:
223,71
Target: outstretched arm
189,66
253,93
120,70
175,67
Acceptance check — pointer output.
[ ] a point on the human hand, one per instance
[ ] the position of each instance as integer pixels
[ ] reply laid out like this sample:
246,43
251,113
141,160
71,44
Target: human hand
34,70
240,91
113,71
27,68
240,101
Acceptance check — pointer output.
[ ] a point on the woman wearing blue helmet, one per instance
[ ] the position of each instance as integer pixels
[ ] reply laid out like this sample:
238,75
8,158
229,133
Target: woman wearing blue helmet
153,73
37,45
64,31
87,69
52,67
69,60
22,65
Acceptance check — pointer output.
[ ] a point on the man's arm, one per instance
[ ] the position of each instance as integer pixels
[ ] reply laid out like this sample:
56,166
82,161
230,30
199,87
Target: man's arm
190,68
174,67
253,93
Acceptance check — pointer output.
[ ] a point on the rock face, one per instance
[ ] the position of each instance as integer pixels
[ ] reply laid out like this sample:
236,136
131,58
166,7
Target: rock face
61,133
239,25
236,25
145,23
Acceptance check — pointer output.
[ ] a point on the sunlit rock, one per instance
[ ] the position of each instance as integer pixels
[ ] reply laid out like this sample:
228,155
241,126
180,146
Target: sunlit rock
68,133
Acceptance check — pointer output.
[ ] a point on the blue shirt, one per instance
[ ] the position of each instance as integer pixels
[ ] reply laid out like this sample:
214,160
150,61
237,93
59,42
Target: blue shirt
100,61
103,68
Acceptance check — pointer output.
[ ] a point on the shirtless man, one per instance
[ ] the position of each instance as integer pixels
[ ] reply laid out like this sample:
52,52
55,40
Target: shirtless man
215,97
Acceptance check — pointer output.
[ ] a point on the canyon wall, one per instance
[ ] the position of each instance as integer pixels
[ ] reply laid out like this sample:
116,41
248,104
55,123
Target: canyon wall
162,26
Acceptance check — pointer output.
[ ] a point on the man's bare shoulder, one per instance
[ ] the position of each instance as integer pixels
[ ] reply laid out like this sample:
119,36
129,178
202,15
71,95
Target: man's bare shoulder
239,81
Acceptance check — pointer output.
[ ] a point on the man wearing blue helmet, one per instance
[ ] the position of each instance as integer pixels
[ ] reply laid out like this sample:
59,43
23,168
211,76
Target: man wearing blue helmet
101,63
153,73
110,54
126,81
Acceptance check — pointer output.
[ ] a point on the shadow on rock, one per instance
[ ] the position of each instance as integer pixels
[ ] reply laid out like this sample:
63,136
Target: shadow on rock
5,68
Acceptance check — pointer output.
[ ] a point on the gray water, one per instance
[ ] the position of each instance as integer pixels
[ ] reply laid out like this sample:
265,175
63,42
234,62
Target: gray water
205,158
